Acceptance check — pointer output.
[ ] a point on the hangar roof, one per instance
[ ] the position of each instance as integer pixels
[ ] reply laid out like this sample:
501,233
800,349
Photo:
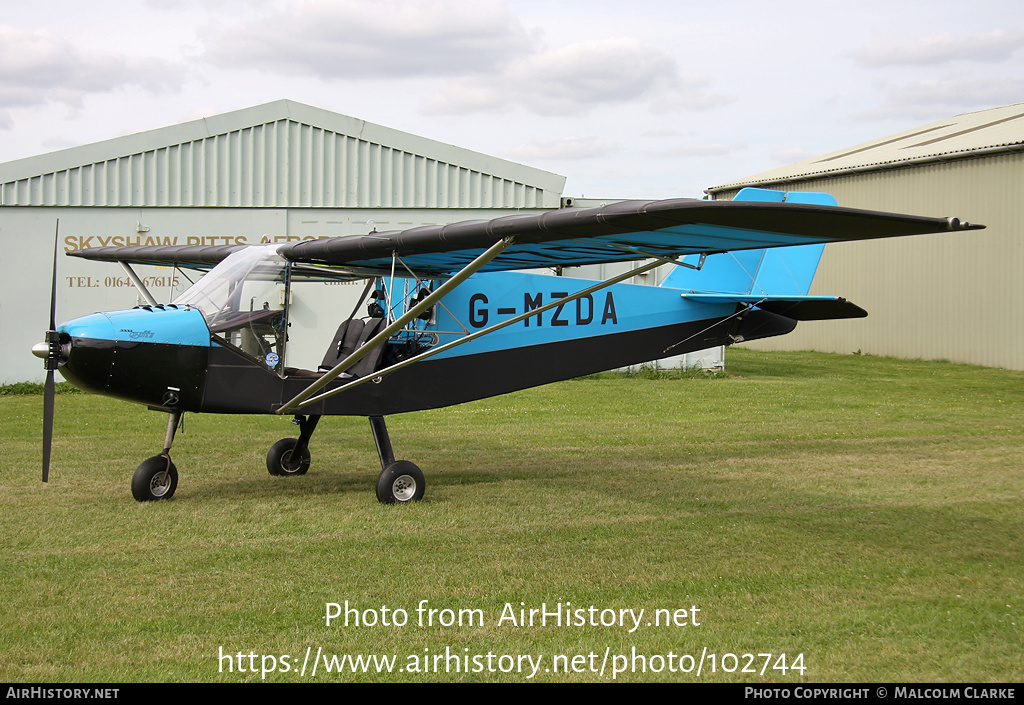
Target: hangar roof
281,154
967,135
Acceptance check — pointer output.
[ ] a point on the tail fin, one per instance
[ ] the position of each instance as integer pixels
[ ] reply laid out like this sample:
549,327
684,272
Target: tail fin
778,271
775,279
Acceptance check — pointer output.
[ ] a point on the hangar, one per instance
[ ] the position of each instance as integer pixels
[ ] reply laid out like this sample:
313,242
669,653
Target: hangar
277,172
947,296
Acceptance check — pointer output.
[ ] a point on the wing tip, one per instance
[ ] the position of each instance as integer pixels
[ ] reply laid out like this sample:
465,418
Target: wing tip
955,224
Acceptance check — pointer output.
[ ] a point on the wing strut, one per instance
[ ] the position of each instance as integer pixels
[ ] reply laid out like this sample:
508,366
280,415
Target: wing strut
138,283
473,267
473,336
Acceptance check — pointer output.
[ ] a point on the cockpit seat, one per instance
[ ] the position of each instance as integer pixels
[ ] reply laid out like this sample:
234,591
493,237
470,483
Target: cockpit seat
369,364
345,341
351,336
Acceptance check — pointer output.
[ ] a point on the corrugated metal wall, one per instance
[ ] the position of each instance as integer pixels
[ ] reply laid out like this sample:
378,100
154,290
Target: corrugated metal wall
946,296
278,164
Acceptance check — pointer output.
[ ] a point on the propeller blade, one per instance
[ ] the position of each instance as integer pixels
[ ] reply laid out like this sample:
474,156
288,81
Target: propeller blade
53,285
48,394
51,362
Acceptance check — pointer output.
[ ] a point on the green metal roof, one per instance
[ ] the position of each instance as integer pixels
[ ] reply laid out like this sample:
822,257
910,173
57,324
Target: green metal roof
968,135
281,154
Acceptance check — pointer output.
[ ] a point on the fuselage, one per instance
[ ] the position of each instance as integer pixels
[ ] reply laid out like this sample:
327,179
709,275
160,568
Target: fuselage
175,357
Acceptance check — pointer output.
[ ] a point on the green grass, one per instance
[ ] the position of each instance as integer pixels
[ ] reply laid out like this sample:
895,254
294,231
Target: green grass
864,512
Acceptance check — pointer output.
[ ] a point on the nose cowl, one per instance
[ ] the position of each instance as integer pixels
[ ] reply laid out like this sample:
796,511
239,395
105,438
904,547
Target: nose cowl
138,355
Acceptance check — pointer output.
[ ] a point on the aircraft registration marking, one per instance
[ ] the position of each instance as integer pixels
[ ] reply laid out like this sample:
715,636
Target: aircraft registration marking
583,308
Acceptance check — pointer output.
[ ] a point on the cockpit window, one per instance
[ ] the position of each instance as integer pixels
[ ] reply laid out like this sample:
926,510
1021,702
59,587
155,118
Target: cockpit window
243,302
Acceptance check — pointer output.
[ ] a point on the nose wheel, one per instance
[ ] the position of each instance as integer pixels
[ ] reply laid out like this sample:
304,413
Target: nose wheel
157,477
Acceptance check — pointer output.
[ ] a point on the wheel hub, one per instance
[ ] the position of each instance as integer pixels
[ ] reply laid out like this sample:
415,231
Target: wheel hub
159,484
286,462
404,487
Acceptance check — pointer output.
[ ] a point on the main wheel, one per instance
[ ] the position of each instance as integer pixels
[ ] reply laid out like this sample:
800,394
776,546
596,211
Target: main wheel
281,460
156,478
399,483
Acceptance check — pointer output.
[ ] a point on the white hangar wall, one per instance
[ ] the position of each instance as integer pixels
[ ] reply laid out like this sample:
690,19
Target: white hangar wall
273,173
944,296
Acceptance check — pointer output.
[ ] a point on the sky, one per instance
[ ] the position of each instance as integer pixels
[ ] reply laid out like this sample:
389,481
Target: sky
627,99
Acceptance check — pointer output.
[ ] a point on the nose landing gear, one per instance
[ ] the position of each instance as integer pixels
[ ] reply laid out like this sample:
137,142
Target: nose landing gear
157,477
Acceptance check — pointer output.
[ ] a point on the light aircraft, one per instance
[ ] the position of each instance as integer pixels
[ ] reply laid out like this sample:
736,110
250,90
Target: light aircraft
451,316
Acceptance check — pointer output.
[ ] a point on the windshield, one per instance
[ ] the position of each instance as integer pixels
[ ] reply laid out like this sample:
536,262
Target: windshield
243,302
253,271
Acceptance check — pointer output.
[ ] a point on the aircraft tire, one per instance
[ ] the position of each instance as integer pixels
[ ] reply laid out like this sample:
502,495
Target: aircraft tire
155,479
280,461
400,483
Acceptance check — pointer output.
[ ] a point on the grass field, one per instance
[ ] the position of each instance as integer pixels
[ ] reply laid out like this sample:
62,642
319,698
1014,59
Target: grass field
863,512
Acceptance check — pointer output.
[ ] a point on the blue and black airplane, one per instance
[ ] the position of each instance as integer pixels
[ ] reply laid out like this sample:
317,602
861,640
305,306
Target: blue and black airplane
452,315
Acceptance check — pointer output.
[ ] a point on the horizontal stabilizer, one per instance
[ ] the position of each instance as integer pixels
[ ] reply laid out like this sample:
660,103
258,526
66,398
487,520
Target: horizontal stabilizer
799,308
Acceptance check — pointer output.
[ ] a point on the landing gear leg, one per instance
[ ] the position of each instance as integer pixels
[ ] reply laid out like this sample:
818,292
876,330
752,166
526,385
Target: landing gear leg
157,477
290,456
399,481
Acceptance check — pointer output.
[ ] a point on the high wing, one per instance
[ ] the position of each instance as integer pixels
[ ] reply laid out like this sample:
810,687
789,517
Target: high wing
630,230
201,257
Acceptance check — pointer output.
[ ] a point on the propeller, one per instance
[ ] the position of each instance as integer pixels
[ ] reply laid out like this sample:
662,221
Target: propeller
50,362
